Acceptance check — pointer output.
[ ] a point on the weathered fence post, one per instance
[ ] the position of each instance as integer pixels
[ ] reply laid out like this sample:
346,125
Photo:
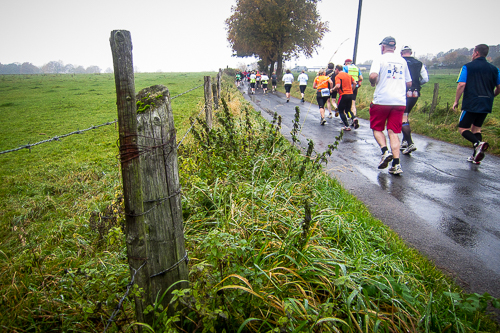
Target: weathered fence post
219,83
214,93
167,256
121,48
208,101
435,96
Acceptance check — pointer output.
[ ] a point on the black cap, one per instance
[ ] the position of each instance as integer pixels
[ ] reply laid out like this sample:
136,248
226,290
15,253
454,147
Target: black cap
388,41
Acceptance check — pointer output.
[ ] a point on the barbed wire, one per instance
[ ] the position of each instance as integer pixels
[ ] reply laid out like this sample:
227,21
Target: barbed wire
119,305
58,137
201,85
190,128
131,283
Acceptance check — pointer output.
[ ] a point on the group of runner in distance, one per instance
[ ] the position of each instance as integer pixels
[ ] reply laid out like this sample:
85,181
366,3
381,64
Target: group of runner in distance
397,80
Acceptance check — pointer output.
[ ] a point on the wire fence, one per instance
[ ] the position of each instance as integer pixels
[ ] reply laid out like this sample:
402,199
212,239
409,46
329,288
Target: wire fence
58,137
131,283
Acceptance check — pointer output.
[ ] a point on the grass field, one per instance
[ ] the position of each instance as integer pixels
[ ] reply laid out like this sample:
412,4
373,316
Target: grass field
442,124
274,243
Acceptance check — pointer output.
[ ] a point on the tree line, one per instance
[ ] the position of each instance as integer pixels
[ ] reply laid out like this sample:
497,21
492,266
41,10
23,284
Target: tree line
456,58
52,67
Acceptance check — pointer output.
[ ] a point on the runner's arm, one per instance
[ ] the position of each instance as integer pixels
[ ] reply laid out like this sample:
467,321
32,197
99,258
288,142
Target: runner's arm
460,91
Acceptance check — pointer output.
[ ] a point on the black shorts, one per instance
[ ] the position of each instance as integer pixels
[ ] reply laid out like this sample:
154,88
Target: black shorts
355,93
264,85
345,103
274,82
252,84
288,87
334,94
302,89
321,100
467,119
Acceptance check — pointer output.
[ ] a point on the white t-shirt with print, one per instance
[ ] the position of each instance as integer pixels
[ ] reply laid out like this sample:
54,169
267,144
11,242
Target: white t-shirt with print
303,77
288,78
393,74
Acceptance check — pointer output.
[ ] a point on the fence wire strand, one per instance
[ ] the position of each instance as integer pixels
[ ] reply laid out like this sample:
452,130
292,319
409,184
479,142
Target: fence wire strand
58,137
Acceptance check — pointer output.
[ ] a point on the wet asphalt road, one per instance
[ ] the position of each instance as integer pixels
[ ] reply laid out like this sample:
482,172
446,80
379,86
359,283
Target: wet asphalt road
442,205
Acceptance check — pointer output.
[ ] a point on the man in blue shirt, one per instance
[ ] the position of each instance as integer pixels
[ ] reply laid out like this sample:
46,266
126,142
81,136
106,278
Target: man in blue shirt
479,82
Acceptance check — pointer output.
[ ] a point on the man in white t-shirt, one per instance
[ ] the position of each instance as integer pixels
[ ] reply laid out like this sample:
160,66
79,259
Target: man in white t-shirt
287,81
390,75
303,77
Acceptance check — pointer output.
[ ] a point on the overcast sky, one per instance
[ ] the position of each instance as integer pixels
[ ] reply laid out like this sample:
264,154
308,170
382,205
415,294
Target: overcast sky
190,36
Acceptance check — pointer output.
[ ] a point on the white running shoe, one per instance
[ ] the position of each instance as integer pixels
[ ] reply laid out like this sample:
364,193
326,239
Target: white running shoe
480,149
409,149
396,170
386,158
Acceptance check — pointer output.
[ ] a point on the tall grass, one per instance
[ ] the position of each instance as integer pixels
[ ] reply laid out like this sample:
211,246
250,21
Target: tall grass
274,243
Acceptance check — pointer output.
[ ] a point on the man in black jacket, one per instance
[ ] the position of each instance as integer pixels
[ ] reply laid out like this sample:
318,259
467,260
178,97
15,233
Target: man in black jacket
419,76
479,82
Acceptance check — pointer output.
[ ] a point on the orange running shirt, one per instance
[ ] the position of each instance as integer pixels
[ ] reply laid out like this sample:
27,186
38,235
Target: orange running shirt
321,82
345,81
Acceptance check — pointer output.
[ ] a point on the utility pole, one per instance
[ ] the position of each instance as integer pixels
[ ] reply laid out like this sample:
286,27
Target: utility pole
357,32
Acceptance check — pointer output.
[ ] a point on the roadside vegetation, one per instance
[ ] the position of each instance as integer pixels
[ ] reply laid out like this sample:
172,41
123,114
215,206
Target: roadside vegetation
442,124
275,245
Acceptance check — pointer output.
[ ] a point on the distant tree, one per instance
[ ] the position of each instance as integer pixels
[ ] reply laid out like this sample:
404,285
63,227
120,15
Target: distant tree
108,70
275,31
496,61
29,68
93,70
79,70
13,68
68,69
53,67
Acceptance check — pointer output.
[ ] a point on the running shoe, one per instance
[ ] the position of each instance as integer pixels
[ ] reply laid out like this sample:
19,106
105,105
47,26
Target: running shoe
471,159
409,149
386,158
404,145
346,128
336,113
355,123
480,149
330,116
287,100
302,100
396,169
323,121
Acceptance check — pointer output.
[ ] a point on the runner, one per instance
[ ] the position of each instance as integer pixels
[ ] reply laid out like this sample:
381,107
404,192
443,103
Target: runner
274,81
353,71
390,76
238,79
258,78
265,80
332,101
323,84
479,82
287,81
344,84
418,78
303,77
252,79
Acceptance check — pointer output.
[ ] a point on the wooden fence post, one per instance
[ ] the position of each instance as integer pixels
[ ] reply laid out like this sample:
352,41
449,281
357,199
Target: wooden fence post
167,256
208,101
214,93
121,47
435,96
219,83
